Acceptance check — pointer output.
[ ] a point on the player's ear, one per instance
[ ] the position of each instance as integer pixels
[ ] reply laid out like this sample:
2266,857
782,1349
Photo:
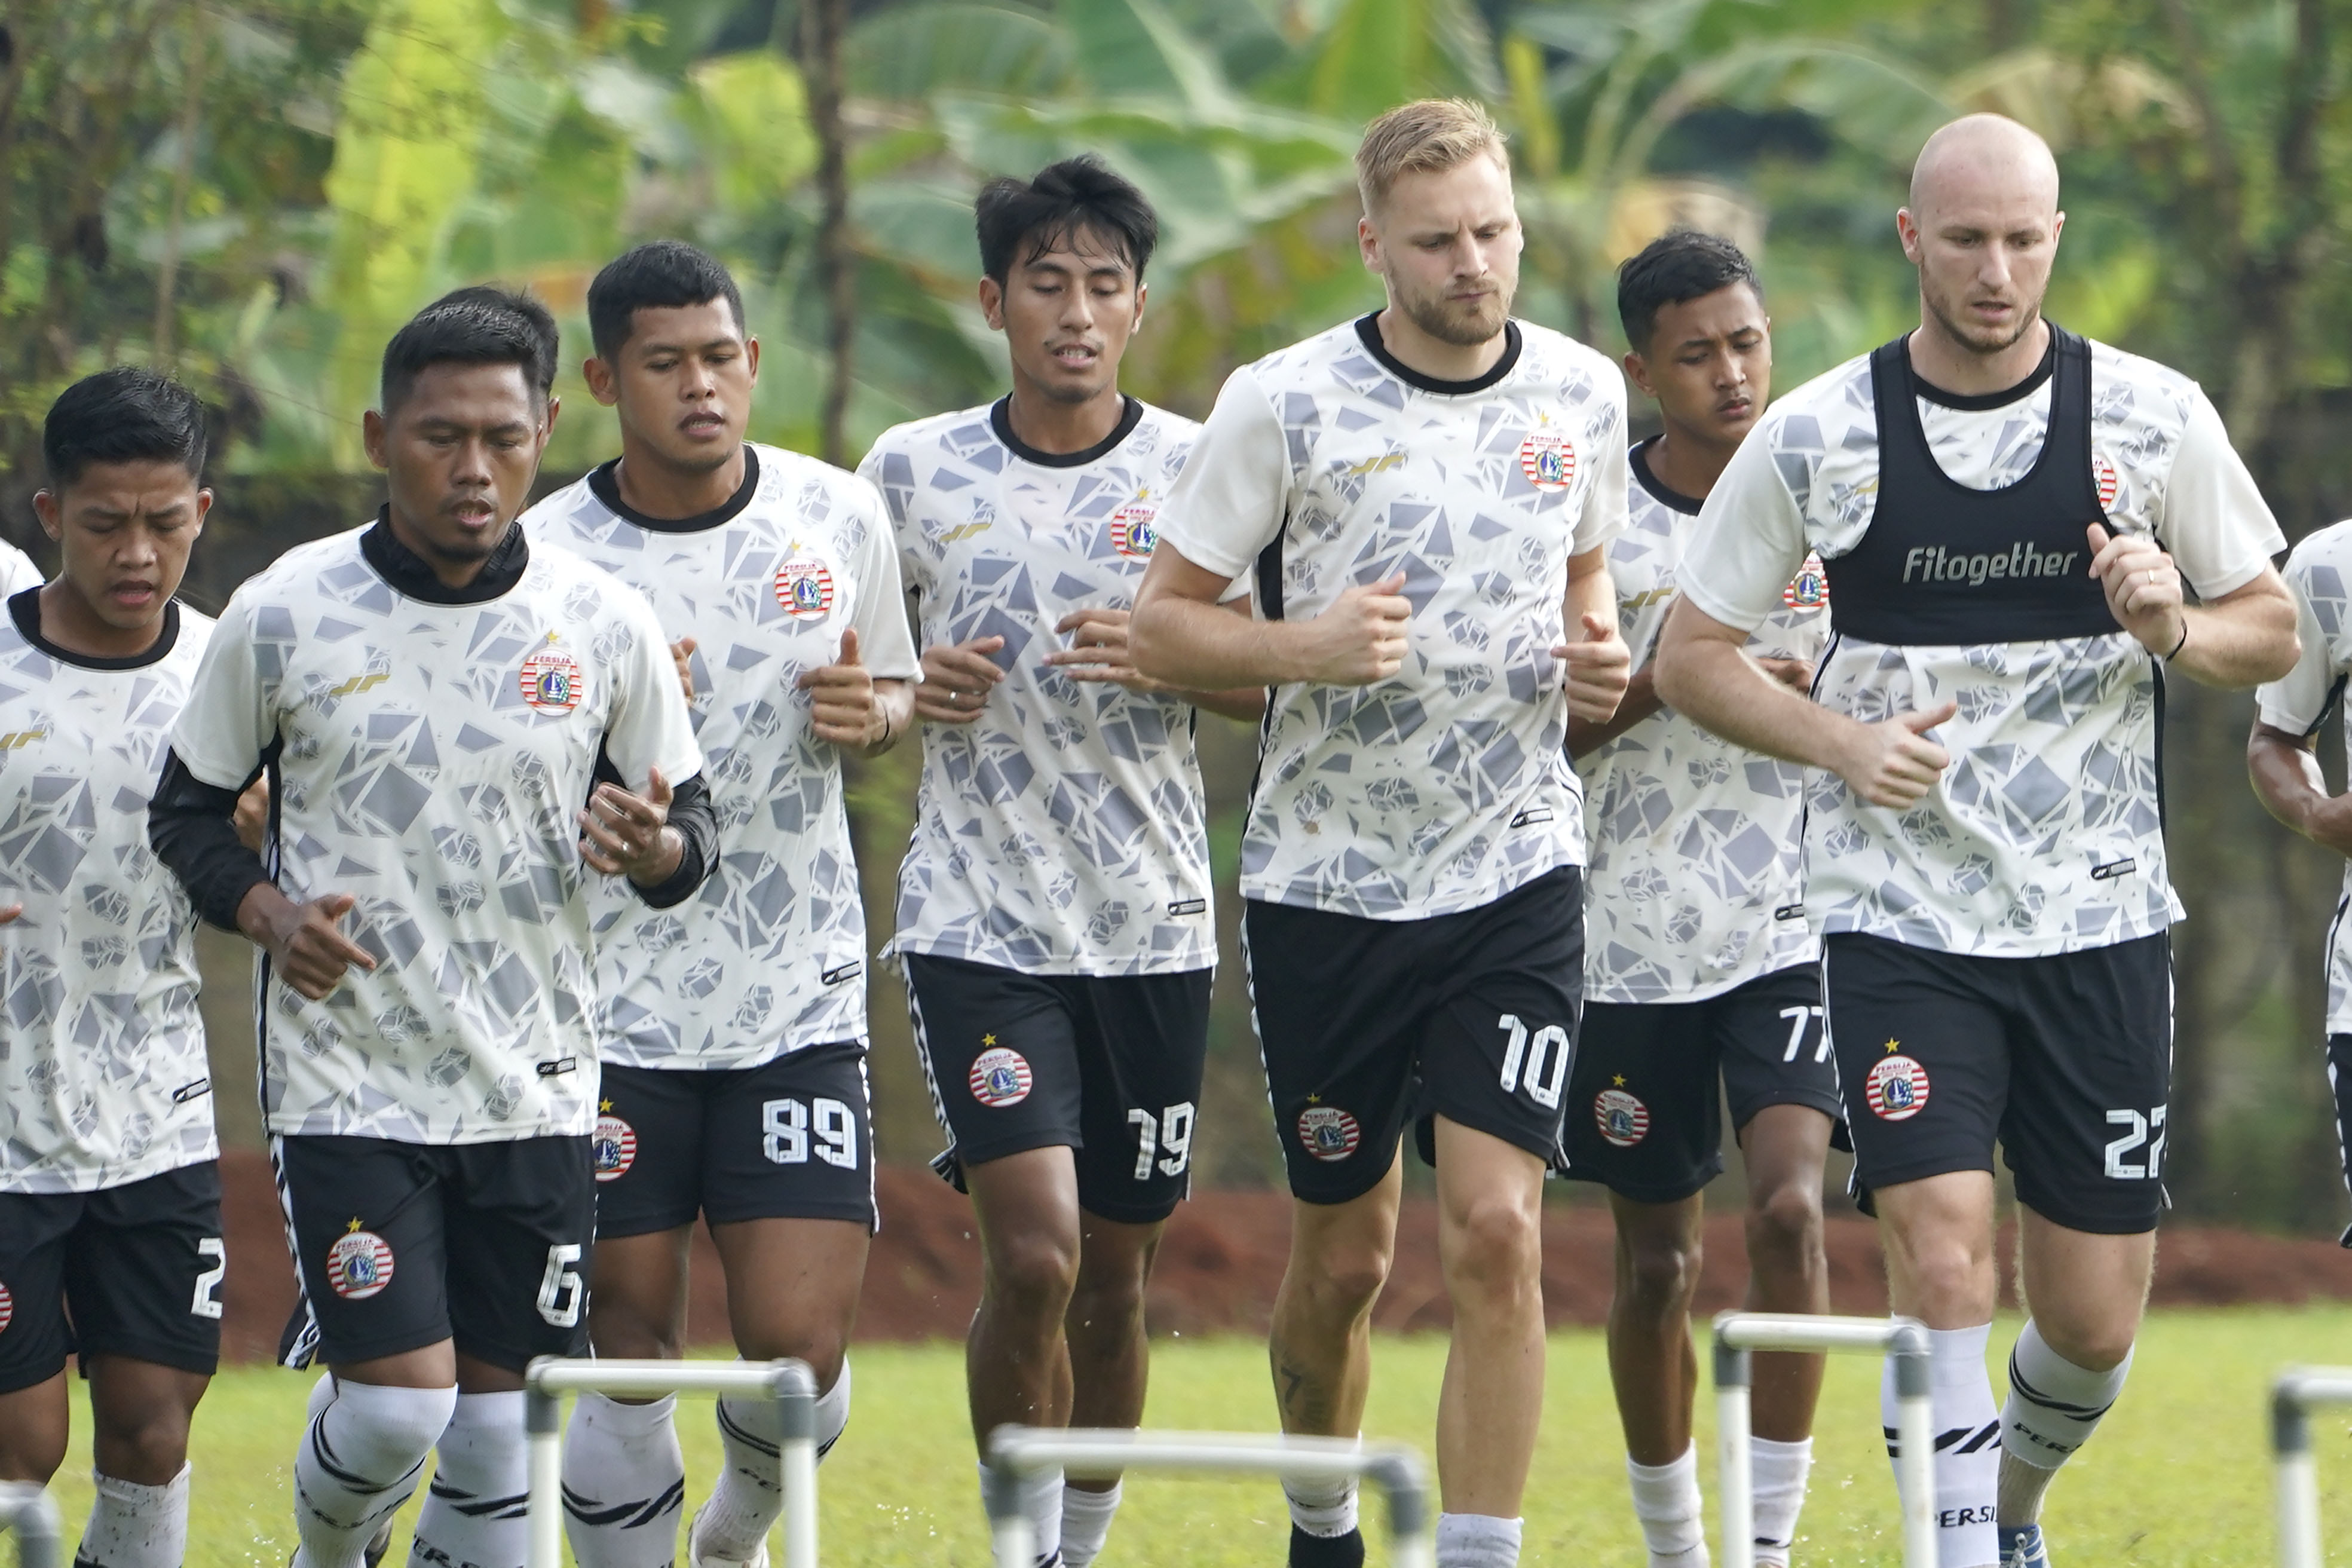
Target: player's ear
375,436
602,380
991,303
1637,371
204,510
751,356
46,508
547,425
1368,243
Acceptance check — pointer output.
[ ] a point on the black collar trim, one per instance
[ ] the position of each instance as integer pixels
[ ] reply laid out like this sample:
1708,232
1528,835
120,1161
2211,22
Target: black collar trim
605,482
1367,332
407,573
1978,402
1000,419
1673,501
24,609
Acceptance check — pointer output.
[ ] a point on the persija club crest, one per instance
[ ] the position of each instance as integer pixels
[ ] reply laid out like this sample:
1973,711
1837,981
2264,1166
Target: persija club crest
1547,458
615,1147
2109,482
1328,1133
1000,1077
1131,533
550,681
1810,588
1896,1089
1622,1119
805,588
7,1309
359,1264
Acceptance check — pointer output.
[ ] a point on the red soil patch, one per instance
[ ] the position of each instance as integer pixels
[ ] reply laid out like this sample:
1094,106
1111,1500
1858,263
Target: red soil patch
1224,1257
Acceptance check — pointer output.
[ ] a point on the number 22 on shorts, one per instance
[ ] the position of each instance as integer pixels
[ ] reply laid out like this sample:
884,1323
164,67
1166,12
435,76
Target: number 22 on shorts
1538,1063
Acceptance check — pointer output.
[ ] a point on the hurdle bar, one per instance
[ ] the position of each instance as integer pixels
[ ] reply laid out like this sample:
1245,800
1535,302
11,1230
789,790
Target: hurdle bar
1739,1334
789,1383
2297,1392
1101,1452
30,1511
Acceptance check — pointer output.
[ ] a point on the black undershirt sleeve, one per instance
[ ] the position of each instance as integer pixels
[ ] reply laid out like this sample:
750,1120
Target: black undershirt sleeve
692,813
191,825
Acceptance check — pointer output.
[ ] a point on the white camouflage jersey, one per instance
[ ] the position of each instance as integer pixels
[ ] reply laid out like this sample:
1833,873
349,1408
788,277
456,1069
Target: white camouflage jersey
17,572
1695,884
1062,832
2320,573
770,955
1328,465
435,759
102,1074
2044,836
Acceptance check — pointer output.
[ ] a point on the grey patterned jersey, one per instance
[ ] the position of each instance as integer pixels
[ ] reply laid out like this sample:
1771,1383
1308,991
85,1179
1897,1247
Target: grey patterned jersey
770,955
1329,465
435,760
17,572
2043,835
1063,832
1694,884
2320,574
102,1074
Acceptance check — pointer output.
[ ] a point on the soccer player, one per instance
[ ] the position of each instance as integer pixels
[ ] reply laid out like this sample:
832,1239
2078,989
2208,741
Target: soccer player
1698,967
2006,514
465,731
734,1027
1054,918
110,1179
1423,496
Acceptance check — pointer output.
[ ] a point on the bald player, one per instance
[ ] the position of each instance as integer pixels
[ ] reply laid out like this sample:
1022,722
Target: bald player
2007,515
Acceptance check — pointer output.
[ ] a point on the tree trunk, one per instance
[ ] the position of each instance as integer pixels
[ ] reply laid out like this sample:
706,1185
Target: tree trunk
823,21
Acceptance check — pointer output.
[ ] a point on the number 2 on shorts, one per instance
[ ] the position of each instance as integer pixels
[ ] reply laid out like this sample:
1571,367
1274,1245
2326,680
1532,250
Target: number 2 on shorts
1544,1057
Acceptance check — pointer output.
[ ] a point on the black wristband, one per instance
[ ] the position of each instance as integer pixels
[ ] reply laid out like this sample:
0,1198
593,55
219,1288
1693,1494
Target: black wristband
2182,643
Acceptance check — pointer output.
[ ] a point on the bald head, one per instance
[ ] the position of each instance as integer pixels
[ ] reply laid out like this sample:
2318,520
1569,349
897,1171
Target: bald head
1980,157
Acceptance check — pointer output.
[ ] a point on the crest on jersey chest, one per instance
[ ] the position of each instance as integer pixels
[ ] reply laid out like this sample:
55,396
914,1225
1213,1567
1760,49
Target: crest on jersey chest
1547,458
1810,588
804,585
1132,532
2108,481
550,680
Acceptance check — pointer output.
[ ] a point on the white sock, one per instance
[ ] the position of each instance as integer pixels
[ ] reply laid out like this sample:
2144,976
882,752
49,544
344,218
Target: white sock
1968,1451
473,1513
1477,1540
358,1461
751,1490
833,1413
1779,1472
2052,1408
1086,1523
1324,1508
1041,1500
1666,1502
623,1482
131,1526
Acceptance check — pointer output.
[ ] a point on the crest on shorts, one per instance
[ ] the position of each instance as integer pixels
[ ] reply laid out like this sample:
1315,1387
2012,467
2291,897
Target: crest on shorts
999,1076
550,680
7,1308
1896,1088
1547,458
1810,588
2109,482
1328,1133
805,588
614,1146
1622,1119
1131,531
359,1264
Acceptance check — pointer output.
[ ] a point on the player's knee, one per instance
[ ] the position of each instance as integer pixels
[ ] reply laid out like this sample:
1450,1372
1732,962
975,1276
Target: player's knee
1107,1301
2094,1344
621,1335
146,1447
1341,1282
1662,1274
1033,1271
1950,1276
1497,1244
1784,1226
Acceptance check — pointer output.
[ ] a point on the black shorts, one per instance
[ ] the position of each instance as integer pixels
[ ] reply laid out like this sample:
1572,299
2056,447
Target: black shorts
2067,1059
133,1270
1109,1066
790,1139
399,1245
1644,1116
1368,1024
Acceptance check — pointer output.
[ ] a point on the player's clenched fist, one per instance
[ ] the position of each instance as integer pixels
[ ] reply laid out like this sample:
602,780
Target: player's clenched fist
1892,763
842,706
627,835
2142,585
957,680
307,947
1361,640
1598,669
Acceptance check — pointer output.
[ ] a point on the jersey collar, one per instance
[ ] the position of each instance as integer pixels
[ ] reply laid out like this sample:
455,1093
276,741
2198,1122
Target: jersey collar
1673,501
407,573
1978,402
1000,419
605,484
1367,332
24,609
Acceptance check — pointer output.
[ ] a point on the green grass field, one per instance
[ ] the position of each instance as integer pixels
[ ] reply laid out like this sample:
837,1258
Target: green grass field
2179,1477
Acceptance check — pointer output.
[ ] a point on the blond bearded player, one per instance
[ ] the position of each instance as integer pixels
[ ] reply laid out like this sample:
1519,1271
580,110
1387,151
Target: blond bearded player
1422,497
2007,514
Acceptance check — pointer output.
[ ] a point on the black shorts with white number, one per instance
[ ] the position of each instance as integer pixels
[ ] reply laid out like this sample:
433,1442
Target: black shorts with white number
2067,1059
1109,1066
1644,1116
138,1268
1369,1023
790,1139
399,1245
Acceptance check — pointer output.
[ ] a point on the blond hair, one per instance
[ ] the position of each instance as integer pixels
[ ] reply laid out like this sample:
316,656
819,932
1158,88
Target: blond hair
1427,136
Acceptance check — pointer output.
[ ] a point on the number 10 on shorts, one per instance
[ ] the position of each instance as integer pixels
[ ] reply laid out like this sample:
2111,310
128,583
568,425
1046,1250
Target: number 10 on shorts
1537,1062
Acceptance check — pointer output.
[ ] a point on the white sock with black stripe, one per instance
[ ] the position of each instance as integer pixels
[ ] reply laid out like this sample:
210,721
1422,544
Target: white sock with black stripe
1968,1445
473,1511
359,1460
623,1482
2054,1406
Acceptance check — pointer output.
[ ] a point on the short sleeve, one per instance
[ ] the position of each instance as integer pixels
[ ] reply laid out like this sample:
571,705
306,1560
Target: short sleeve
2298,702
1605,515
884,644
650,727
17,572
1748,542
2213,518
228,720
1233,495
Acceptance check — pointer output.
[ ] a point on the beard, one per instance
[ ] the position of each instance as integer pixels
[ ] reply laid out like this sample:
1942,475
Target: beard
1976,338
1464,324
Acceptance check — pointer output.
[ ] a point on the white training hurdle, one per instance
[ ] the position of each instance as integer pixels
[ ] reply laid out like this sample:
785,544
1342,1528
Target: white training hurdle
31,1514
2297,1392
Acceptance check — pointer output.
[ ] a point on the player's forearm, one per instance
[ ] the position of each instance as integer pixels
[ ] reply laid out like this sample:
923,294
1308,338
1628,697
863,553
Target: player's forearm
690,849
192,826
1714,683
1640,701
893,706
2239,641
2287,778
1246,703
1202,648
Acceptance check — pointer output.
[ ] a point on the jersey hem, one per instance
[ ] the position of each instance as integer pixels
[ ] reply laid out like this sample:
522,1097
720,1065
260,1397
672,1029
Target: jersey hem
57,1182
277,1128
1261,892
1697,991
1912,936
1075,968
713,1061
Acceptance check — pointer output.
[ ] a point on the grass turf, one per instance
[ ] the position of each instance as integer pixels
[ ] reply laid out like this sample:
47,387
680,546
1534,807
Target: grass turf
2178,1475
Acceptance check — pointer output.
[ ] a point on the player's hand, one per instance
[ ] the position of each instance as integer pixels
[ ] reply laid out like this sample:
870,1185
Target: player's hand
1894,762
2143,587
1097,650
625,834
251,817
1598,668
682,652
845,710
307,947
1361,641
957,680
1796,674
11,913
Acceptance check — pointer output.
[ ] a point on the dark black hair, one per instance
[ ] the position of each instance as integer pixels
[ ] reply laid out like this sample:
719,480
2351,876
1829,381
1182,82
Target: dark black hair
1674,267
126,415
1032,216
664,274
475,326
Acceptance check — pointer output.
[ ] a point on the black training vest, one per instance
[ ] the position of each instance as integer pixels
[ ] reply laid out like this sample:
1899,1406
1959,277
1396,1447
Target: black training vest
1942,565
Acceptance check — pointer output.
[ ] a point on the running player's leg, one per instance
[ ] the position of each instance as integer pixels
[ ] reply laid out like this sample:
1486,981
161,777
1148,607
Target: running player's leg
1109,1361
35,1406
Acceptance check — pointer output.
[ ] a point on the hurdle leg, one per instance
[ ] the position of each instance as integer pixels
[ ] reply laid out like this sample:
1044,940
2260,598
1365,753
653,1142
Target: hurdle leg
1013,1544
796,1409
1736,1483
1915,1446
542,1421
2298,1481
